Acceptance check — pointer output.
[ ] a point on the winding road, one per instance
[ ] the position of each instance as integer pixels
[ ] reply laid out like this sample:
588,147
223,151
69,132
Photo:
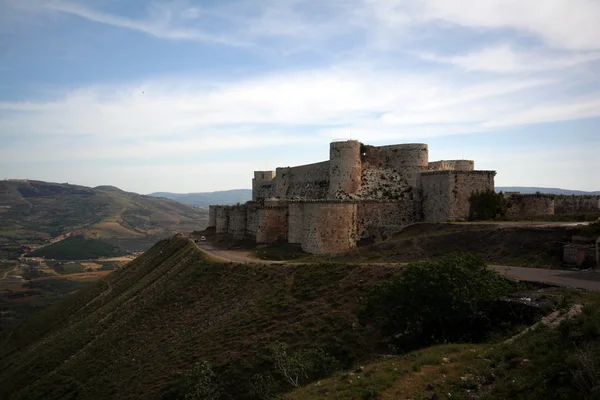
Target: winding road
587,280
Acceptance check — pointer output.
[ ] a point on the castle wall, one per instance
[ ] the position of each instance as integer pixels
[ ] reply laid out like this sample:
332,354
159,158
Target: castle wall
309,181
385,183
452,165
408,160
271,224
463,185
381,219
212,216
576,204
251,219
529,205
329,227
237,222
344,169
446,193
221,219
436,197
295,223
263,185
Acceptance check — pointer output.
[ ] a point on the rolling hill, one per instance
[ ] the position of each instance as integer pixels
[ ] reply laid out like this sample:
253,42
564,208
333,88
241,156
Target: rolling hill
175,324
36,212
205,199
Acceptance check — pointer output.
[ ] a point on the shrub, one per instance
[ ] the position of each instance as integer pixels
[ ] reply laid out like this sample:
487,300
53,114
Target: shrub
436,302
486,205
200,383
302,365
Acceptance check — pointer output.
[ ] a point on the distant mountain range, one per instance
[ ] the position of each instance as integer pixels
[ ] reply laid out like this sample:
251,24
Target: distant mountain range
204,199
527,190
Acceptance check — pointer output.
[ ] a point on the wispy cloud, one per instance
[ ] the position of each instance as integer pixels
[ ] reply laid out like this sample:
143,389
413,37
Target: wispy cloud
161,26
505,59
161,117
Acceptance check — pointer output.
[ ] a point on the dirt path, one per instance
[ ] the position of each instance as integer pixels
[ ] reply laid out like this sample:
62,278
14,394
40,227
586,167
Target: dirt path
8,272
588,280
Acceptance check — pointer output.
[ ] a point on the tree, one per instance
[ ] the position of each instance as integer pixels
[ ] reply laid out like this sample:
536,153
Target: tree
200,383
486,205
433,302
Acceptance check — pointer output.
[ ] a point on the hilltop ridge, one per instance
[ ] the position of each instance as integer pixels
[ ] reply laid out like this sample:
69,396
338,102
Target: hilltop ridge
34,212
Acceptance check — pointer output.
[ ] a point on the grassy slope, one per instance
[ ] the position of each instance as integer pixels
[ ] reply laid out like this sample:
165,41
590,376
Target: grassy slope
127,335
78,248
525,246
546,363
41,210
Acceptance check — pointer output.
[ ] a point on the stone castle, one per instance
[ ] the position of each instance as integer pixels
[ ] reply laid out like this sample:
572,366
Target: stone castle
368,193
361,193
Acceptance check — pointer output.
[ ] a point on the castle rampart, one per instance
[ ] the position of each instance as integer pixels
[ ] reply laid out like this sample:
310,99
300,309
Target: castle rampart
212,215
344,169
237,222
565,204
221,219
452,165
271,224
529,205
296,223
329,227
446,193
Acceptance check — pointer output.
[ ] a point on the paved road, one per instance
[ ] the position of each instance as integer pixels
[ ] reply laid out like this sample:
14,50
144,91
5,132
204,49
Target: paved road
588,280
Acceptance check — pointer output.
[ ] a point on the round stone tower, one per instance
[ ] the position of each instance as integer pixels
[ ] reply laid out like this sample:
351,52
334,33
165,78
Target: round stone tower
344,169
407,155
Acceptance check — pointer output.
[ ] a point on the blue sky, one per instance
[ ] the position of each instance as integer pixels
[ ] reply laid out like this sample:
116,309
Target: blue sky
189,96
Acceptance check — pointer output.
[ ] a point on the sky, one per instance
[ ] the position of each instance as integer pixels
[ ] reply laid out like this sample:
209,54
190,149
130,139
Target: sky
192,96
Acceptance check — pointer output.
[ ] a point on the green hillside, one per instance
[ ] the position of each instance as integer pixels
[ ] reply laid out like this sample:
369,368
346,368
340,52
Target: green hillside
78,248
32,212
174,324
130,335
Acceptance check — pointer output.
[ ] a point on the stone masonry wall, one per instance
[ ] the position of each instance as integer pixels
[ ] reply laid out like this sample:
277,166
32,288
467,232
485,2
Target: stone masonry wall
263,185
463,184
446,193
212,216
329,227
251,219
296,222
452,165
237,221
576,204
436,197
381,219
272,224
221,219
529,205
309,181
345,168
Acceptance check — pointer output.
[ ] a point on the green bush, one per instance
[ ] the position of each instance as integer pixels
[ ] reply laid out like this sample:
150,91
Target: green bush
486,205
200,383
436,302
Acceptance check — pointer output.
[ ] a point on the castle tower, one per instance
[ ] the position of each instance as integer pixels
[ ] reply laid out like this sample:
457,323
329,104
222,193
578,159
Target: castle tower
260,184
344,169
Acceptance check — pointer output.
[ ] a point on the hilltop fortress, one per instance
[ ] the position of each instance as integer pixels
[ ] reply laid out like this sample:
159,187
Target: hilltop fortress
361,192
368,193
